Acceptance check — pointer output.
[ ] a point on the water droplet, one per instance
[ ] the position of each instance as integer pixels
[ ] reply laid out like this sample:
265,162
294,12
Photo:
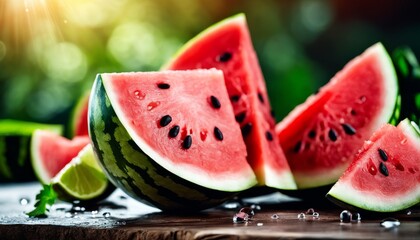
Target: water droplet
409,212
248,211
139,94
310,211
371,167
94,212
315,215
404,141
256,207
68,215
106,214
361,99
152,105
301,216
345,216
275,216
121,223
260,224
356,217
240,217
24,201
390,223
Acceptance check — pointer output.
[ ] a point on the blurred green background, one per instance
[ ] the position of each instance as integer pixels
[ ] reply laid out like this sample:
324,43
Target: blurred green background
51,50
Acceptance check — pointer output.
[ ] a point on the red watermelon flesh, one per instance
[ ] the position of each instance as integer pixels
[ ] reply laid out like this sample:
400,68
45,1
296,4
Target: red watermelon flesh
79,126
50,152
320,136
385,174
184,122
227,46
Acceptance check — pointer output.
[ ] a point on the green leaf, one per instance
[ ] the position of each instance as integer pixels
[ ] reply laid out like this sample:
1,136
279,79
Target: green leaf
45,198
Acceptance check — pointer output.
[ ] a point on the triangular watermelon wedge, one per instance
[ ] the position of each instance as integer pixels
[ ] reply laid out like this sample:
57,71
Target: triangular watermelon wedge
321,136
227,46
385,174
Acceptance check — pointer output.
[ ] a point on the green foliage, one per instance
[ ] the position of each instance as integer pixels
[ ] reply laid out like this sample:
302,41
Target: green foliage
45,198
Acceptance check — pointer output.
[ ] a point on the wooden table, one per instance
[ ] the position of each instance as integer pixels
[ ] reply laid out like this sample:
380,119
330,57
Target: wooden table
121,217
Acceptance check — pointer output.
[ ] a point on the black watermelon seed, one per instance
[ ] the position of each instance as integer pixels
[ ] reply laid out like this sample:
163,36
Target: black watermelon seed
312,134
332,134
218,134
224,57
260,97
273,114
240,117
165,120
297,147
269,136
246,129
187,142
383,154
163,85
235,98
174,131
383,169
215,102
348,129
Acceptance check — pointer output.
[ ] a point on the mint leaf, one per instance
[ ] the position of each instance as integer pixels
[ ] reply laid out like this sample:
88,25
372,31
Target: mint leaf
45,198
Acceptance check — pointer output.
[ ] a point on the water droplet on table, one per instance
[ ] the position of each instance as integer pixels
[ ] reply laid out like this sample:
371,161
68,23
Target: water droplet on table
240,217
315,215
301,216
345,216
248,211
275,216
260,224
24,201
356,217
310,211
106,214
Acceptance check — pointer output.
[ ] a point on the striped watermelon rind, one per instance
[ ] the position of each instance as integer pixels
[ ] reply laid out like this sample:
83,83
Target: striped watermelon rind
15,146
129,168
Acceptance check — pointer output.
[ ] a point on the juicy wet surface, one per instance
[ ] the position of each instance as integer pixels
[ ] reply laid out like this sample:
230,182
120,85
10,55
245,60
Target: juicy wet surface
274,216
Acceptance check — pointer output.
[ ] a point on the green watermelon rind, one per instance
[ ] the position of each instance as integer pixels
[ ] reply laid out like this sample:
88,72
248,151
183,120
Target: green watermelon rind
131,169
343,194
240,17
305,180
15,148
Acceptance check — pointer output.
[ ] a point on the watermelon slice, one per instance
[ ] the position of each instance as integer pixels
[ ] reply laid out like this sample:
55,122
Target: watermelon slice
78,120
50,152
169,139
227,46
321,136
385,174
15,149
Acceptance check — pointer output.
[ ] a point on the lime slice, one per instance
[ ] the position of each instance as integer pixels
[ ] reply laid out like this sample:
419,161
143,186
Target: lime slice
82,178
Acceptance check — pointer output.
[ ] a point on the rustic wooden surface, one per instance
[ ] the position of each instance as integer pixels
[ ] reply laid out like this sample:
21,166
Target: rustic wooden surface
129,219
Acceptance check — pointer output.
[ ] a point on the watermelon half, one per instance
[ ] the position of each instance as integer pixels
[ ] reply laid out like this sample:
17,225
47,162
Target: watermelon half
169,139
385,174
321,136
50,152
227,46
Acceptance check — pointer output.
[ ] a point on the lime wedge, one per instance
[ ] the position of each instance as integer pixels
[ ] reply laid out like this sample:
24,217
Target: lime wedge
82,178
